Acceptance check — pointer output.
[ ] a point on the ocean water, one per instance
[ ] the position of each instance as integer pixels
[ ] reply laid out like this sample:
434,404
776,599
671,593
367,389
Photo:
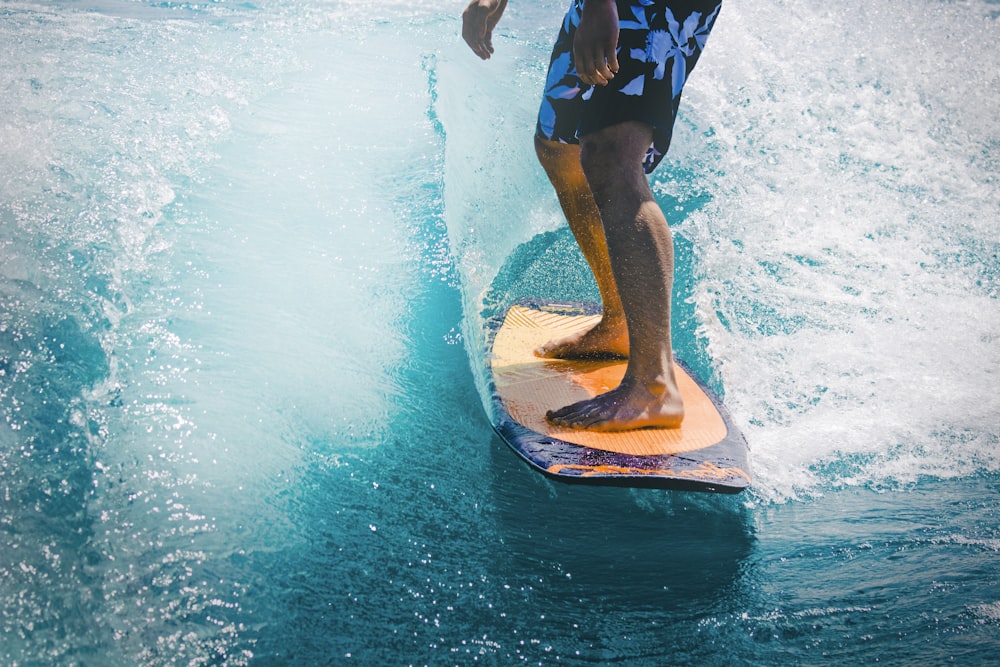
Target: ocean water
246,252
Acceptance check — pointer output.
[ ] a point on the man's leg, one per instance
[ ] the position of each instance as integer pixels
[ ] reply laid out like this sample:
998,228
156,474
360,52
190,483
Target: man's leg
641,255
609,338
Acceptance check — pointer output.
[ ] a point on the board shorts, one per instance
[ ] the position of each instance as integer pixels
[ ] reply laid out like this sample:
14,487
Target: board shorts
659,44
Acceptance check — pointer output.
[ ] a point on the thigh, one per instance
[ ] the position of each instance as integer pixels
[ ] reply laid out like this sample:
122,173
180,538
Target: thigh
612,159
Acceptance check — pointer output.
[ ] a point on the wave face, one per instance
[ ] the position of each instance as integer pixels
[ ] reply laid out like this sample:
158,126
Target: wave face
246,254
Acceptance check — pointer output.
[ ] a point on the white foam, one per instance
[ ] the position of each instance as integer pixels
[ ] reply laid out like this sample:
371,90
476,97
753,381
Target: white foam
849,287
846,264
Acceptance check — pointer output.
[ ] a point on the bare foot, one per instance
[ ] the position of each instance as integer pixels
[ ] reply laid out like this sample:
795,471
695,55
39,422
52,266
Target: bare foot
603,341
629,406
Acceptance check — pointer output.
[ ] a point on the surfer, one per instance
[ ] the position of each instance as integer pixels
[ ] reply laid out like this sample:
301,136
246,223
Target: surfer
607,114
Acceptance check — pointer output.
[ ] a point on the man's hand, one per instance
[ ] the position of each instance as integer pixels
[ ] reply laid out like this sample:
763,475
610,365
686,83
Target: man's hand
478,21
596,42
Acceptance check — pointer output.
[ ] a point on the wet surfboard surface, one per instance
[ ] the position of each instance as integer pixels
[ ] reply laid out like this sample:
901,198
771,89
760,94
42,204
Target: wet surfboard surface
707,453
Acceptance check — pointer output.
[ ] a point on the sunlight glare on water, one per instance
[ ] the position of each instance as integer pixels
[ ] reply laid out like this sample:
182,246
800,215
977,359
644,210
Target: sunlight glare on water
247,250
151,209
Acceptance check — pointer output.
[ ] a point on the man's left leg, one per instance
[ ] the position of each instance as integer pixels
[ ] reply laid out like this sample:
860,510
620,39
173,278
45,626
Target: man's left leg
608,338
642,259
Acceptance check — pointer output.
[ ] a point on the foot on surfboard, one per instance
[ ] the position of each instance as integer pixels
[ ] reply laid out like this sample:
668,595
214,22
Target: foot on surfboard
605,340
624,408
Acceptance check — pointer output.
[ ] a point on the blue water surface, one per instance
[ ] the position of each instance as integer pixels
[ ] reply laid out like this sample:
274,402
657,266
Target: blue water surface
246,254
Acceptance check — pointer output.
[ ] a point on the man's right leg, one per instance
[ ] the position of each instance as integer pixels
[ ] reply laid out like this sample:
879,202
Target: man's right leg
609,338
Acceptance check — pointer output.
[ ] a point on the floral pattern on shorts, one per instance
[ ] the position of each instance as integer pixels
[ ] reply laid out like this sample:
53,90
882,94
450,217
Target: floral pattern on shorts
659,44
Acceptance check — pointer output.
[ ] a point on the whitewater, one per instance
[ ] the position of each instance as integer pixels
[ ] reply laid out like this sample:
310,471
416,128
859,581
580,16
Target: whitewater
247,250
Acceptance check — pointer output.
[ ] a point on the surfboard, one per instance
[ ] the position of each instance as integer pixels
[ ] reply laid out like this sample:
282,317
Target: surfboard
707,453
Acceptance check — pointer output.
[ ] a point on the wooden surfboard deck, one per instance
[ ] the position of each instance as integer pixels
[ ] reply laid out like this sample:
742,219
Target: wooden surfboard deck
707,453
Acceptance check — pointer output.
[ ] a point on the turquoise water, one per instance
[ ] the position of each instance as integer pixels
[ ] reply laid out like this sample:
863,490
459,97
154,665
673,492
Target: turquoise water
247,249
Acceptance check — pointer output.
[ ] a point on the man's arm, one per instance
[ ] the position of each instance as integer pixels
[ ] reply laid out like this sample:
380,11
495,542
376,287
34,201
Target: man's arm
596,42
478,21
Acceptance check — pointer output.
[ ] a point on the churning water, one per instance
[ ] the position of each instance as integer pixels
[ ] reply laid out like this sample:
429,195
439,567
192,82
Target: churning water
246,250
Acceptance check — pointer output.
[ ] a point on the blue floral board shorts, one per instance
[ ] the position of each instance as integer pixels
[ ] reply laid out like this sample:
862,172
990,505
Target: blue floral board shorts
659,44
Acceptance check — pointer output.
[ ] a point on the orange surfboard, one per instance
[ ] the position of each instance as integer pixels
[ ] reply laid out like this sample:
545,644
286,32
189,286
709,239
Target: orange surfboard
707,453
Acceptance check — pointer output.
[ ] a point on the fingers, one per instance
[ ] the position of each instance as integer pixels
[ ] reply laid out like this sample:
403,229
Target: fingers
478,21
595,43
475,31
596,70
612,63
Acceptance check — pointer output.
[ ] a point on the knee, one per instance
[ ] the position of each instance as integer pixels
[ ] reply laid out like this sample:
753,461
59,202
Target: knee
601,162
606,167
612,158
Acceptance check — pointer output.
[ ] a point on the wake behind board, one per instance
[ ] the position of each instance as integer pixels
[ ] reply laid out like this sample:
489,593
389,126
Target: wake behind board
707,453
